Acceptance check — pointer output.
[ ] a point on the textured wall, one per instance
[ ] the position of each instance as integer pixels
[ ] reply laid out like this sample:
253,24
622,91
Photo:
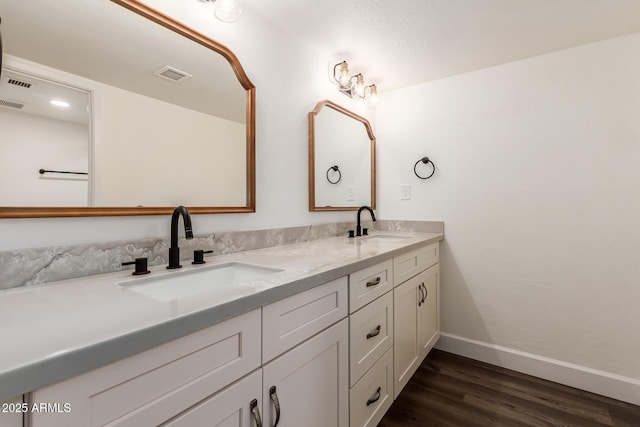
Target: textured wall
537,183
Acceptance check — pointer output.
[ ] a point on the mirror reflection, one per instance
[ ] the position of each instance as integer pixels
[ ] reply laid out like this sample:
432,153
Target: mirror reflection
341,159
162,115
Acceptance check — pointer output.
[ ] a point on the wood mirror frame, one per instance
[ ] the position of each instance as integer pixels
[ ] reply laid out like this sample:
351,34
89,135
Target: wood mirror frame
312,166
149,13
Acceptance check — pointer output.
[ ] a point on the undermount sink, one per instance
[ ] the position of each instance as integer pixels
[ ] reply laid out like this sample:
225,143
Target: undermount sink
179,284
385,238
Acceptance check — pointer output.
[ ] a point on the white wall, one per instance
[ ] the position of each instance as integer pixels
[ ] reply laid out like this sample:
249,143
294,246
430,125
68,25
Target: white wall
141,159
290,78
538,184
29,143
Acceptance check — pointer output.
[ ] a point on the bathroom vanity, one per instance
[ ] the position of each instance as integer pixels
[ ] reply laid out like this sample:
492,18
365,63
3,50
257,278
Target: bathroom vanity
328,336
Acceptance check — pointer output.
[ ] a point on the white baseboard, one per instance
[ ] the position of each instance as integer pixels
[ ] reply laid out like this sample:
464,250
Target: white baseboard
599,382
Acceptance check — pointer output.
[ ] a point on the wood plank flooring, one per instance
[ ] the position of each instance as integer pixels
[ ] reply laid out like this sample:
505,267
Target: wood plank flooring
454,391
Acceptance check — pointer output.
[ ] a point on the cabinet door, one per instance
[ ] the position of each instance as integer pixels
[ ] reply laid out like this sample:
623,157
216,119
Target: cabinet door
373,395
310,383
11,412
405,324
428,316
231,407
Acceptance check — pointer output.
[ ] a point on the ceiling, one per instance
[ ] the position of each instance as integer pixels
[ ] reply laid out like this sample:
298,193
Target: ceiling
405,42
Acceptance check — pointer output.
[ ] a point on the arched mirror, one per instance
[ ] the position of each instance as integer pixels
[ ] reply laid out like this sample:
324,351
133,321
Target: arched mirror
342,159
151,114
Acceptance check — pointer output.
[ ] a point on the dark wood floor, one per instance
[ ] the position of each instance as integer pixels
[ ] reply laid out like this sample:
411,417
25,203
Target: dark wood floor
453,391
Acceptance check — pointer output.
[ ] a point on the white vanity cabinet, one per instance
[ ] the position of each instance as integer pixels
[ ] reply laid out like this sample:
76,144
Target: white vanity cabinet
334,355
305,372
154,386
222,375
416,315
11,412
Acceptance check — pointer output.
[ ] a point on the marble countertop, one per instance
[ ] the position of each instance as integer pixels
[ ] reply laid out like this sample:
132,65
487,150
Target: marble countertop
54,331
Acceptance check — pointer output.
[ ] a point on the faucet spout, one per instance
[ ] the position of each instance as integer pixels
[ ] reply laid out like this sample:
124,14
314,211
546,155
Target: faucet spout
373,217
174,250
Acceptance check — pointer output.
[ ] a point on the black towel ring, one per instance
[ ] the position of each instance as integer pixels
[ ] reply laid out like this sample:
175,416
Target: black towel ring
335,169
424,160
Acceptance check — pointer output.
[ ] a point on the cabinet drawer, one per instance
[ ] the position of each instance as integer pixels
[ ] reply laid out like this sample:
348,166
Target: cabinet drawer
370,283
152,386
290,321
407,265
371,335
372,396
231,406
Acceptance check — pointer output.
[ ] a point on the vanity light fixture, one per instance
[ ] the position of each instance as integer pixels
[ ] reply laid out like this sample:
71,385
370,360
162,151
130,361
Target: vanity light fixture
353,86
226,10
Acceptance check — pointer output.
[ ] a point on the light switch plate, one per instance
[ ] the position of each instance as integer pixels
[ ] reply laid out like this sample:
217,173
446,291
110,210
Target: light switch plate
405,192
351,194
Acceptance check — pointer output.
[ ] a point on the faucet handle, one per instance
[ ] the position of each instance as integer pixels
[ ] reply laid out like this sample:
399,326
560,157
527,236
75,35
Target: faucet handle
141,266
198,256
365,231
352,234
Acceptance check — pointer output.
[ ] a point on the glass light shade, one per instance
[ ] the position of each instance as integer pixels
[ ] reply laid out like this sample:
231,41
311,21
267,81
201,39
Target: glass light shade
372,96
227,10
359,86
341,75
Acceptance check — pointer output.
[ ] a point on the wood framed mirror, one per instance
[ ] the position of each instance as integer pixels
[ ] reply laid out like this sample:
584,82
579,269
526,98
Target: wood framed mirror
342,159
169,117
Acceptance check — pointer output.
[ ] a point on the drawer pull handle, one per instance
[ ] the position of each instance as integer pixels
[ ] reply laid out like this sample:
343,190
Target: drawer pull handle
421,295
426,293
276,403
255,412
375,333
375,397
374,282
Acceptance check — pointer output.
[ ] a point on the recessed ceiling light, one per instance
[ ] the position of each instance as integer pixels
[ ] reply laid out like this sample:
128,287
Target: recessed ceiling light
60,103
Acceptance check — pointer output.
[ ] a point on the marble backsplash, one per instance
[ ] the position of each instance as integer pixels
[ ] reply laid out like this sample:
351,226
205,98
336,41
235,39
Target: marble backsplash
26,267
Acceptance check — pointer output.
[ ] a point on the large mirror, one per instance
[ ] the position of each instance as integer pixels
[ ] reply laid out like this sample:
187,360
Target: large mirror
152,115
342,159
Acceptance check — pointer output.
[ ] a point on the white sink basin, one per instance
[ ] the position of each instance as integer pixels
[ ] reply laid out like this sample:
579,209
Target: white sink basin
385,238
179,284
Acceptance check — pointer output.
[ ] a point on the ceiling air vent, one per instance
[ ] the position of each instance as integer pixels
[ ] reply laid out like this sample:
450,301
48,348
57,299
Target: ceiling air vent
172,74
11,104
20,83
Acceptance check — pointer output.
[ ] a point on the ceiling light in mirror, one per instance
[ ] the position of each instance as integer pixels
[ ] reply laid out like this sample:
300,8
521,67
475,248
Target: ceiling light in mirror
60,103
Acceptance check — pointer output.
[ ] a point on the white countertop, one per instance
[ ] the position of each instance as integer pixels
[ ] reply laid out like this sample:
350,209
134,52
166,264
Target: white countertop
54,331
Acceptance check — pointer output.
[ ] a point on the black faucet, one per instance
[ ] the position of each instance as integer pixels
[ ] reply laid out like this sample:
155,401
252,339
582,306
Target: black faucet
174,250
358,228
